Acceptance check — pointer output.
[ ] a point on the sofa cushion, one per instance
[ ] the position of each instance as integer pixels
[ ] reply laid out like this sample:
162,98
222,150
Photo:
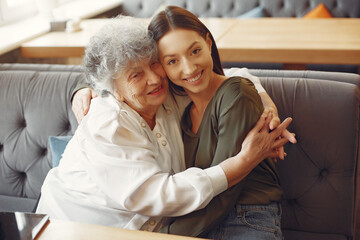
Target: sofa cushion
57,146
16,204
319,12
35,103
257,12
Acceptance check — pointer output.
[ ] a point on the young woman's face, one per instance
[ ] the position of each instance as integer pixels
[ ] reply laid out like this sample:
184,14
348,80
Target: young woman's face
186,58
143,86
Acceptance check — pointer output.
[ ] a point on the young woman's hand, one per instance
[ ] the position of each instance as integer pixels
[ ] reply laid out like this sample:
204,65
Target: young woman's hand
81,102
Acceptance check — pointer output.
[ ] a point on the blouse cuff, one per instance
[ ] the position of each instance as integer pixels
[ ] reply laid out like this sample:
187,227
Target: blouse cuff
218,179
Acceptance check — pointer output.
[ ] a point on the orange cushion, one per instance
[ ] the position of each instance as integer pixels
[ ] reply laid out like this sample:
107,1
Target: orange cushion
319,12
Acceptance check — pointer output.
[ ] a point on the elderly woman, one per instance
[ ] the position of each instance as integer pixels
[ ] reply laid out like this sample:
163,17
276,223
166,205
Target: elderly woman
125,167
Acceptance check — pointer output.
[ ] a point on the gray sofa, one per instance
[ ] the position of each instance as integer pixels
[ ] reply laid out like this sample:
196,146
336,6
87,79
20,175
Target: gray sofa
319,175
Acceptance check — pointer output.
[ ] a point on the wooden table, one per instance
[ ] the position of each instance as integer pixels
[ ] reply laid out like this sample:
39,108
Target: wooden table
60,230
272,40
292,40
62,44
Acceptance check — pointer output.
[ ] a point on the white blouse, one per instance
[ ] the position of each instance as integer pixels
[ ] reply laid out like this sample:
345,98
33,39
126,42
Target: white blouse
116,171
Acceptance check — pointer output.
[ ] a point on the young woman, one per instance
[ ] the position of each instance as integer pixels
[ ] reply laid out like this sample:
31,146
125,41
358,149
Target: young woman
223,110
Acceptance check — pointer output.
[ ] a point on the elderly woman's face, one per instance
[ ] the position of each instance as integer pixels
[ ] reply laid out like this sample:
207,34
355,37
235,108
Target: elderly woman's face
143,86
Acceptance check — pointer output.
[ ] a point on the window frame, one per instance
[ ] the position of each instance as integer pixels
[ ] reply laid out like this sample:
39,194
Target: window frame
11,14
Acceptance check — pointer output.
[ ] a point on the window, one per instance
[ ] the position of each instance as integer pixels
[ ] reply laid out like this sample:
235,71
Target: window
12,10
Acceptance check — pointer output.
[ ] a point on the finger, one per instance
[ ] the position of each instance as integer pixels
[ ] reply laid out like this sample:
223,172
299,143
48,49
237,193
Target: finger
281,152
268,119
275,122
290,136
78,117
93,93
85,105
274,155
280,143
260,123
277,132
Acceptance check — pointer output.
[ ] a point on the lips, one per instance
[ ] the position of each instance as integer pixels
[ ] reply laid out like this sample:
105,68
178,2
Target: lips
157,90
194,78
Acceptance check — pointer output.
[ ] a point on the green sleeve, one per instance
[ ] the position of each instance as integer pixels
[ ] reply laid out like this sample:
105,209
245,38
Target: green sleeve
238,113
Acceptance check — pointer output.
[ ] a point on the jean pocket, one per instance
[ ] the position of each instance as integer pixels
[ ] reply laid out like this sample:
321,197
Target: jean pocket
260,219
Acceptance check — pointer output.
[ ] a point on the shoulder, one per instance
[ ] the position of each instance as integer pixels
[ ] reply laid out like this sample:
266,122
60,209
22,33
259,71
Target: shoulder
234,90
235,87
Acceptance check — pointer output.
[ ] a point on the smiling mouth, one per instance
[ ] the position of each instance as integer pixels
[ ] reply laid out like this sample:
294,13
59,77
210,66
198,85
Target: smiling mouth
194,79
156,90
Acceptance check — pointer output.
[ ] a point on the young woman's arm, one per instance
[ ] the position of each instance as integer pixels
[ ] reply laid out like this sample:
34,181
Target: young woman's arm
235,133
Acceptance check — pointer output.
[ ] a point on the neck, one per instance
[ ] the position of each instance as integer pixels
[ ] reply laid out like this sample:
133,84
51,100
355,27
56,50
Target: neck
202,99
149,115
150,121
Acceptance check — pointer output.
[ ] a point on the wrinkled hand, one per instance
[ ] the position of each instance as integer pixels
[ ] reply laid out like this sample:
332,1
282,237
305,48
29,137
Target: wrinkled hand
274,123
81,102
260,143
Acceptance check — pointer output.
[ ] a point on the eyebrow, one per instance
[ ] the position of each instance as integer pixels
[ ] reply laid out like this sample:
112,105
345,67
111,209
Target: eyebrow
172,55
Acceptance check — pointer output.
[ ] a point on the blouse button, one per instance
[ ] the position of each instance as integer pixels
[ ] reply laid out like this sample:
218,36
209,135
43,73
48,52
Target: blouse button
143,124
163,142
168,111
152,222
158,135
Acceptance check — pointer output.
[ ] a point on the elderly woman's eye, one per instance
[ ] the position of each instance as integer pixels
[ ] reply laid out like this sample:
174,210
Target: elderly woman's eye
135,75
171,62
155,64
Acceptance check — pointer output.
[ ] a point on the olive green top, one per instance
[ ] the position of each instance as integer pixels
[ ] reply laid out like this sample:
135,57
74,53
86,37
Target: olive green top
229,116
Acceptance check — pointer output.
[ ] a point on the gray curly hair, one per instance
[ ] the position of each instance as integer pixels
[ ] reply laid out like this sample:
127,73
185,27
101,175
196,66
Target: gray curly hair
123,41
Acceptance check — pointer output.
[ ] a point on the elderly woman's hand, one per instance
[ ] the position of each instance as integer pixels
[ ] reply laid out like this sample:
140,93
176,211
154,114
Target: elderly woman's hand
260,143
81,102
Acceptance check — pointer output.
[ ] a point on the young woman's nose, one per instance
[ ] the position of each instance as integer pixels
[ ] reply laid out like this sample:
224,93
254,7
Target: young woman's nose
188,67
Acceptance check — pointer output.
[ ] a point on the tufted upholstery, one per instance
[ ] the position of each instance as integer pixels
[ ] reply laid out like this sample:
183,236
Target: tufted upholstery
234,8
319,175
34,104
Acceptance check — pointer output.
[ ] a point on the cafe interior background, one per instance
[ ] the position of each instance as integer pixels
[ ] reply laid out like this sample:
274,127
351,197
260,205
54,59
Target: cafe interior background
24,21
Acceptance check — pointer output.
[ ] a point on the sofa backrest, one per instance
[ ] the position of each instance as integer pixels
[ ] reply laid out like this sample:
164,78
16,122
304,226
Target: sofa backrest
319,176
235,8
34,104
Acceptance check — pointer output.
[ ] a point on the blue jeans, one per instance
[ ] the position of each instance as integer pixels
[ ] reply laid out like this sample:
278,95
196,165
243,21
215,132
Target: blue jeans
248,222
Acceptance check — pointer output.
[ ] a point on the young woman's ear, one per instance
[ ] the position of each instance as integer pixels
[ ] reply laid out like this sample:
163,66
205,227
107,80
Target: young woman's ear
208,41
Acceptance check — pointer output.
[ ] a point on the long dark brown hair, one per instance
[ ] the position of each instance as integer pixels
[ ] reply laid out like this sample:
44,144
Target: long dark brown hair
176,17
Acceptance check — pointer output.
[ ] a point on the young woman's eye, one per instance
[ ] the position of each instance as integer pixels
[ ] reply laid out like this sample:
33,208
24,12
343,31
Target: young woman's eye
196,51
